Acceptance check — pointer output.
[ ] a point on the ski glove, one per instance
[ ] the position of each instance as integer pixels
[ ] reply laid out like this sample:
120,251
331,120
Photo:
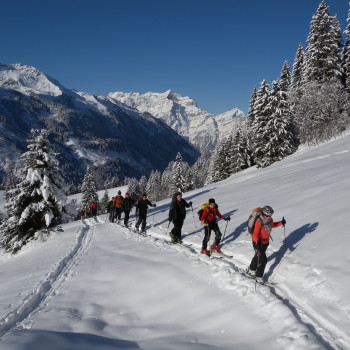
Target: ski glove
283,221
190,204
227,218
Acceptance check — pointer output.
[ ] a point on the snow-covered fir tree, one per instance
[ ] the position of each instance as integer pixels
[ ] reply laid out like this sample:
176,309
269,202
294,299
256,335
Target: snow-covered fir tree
281,142
189,184
38,200
104,202
154,186
262,114
297,72
346,56
178,178
322,57
240,159
167,180
11,180
200,169
220,162
143,184
134,188
250,114
88,191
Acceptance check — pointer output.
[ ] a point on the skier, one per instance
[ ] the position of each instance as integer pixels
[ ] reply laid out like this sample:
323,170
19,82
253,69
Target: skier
141,211
94,207
117,206
260,238
177,214
209,218
127,205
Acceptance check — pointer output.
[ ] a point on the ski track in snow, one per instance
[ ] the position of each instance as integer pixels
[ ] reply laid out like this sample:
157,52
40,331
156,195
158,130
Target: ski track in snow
22,316
225,270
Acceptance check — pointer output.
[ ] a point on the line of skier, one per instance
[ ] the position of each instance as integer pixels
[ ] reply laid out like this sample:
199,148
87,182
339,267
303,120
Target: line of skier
209,213
120,204
260,224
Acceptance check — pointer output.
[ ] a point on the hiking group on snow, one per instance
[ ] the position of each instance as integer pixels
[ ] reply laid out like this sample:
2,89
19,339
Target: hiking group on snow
259,225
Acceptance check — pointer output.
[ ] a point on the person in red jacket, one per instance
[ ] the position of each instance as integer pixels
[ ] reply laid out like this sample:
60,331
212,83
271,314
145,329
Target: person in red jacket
94,207
261,237
209,218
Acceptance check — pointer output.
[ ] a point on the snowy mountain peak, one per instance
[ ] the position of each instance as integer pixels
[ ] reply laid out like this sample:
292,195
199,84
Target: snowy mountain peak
202,129
27,80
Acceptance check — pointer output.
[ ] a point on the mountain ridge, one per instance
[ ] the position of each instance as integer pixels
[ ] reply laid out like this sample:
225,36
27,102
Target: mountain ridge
84,128
202,129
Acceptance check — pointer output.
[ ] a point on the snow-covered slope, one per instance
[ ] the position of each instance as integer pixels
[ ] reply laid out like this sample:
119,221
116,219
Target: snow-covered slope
201,128
100,286
86,129
28,80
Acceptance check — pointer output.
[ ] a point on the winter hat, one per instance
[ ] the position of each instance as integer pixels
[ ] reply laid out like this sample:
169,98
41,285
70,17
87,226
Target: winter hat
144,195
119,192
126,193
211,200
178,194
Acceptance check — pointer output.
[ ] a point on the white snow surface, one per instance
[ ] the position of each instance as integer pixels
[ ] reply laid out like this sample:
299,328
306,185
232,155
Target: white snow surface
201,128
97,285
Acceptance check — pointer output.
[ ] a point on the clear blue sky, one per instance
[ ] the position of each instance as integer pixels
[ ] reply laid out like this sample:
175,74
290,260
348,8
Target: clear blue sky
214,51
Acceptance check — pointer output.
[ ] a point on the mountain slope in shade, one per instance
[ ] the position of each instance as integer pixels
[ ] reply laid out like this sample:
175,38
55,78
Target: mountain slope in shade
85,129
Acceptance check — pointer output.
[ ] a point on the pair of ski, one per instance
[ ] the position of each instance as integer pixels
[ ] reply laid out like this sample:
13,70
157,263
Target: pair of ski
219,254
245,273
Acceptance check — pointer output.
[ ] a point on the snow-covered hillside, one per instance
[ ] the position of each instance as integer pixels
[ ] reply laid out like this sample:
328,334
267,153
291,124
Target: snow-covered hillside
201,128
98,285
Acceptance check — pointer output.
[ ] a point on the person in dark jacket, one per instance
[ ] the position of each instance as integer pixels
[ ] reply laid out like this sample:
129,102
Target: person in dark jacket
110,210
177,215
141,212
127,205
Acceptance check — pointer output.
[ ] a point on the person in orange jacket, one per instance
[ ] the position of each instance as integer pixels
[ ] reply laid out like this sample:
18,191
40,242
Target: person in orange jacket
261,237
118,206
209,218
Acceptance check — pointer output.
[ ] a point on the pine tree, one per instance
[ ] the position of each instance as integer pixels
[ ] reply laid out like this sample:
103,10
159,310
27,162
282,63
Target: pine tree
154,187
279,126
104,202
178,182
241,154
11,180
250,114
134,188
322,58
297,73
346,56
38,200
88,191
220,162
200,169
189,184
143,184
262,114
167,180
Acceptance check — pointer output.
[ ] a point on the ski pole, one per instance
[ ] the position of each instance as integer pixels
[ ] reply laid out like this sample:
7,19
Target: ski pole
222,240
285,242
257,266
166,232
194,218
